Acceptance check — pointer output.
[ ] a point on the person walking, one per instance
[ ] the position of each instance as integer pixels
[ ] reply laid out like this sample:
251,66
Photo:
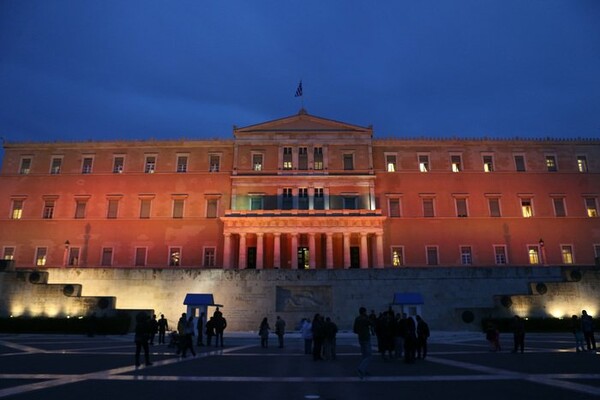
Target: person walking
163,327
188,334
518,327
263,331
280,330
587,326
362,328
143,330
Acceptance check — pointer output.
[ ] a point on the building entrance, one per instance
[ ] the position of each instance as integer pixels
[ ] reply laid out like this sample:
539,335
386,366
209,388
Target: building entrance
303,258
251,260
354,257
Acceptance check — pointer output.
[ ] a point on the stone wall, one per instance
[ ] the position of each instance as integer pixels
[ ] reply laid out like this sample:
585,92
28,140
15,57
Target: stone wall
249,295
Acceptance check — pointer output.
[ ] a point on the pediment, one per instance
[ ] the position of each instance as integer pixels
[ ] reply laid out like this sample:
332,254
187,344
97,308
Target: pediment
301,123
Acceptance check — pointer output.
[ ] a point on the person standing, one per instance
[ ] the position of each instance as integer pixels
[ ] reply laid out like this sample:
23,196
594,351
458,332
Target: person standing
518,334
263,332
422,336
280,330
163,327
220,323
199,328
181,332
577,333
210,330
362,328
318,335
587,326
188,334
329,344
306,331
153,328
142,335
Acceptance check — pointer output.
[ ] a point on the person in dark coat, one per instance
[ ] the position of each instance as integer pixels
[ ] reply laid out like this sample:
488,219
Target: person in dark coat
518,328
163,327
143,331
210,330
200,329
318,332
422,337
410,341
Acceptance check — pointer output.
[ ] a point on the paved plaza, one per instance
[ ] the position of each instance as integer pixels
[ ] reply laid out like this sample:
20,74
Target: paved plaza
459,365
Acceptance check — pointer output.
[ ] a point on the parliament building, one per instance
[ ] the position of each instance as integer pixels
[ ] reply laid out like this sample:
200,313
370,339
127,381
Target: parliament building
301,192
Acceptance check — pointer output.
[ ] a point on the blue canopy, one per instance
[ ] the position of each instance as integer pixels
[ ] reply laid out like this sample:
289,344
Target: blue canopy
200,299
408,298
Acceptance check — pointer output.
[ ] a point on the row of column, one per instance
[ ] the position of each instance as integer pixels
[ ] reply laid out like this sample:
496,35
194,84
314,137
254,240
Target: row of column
242,256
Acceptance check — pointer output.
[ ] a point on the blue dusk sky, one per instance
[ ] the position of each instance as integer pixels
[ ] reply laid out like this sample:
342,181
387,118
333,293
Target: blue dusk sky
121,69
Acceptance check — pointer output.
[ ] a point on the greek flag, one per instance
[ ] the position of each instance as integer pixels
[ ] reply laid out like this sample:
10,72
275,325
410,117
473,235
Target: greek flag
299,90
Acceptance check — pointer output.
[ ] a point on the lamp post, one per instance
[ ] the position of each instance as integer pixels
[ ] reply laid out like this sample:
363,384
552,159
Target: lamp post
542,251
66,254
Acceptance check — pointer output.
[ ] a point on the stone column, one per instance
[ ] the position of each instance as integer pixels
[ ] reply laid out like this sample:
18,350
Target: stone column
227,251
329,249
379,248
294,251
346,250
277,250
364,254
242,263
312,251
259,251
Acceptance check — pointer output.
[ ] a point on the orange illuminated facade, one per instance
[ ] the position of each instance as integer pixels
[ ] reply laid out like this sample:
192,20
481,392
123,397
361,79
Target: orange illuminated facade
301,192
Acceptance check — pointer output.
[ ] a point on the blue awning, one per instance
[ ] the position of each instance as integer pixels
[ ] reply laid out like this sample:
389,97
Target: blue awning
408,298
200,299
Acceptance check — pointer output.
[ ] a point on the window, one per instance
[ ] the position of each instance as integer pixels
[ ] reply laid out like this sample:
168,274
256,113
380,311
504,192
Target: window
397,256
41,256
80,206
118,164
8,253
303,198
488,163
567,254
112,209
257,162
48,209
551,163
520,162
150,165
526,208
461,207
73,259
466,257
211,208
432,255
287,158
17,209
302,158
394,207
145,205
319,199
582,164
591,207
25,167
494,206
348,162
423,162
597,254
390,162
256,202
182,163
178,208
140,256
318,158
209,257
86,165
559,207
55,165
456,162
215,163
350,202
500,255
174,256
428,208
534,254
107,257
287,199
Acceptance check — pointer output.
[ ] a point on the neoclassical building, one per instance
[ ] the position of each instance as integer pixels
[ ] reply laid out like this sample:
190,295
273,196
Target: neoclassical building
301,192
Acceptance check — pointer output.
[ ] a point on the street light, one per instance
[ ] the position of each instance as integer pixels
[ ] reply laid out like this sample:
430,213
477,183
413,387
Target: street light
542,258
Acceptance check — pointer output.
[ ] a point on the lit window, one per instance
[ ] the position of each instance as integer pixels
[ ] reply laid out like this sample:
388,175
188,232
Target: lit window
461,208
73,256
150,166
394,208
17,209
86,165
174,257
348,162
215,163
390,163
209,257
582,164
41,256
80,206
8,253
432,255
140,256
182,163
287,158
178,208
56,165
25,167
428,210
534,255
211,208
423,163
591,207
48,209
494,205
318,158
559,207
118,164
456,163
488,163
466,257
567,254
397,256
257,162
551,164
107,255
500,255
520,163
526,208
